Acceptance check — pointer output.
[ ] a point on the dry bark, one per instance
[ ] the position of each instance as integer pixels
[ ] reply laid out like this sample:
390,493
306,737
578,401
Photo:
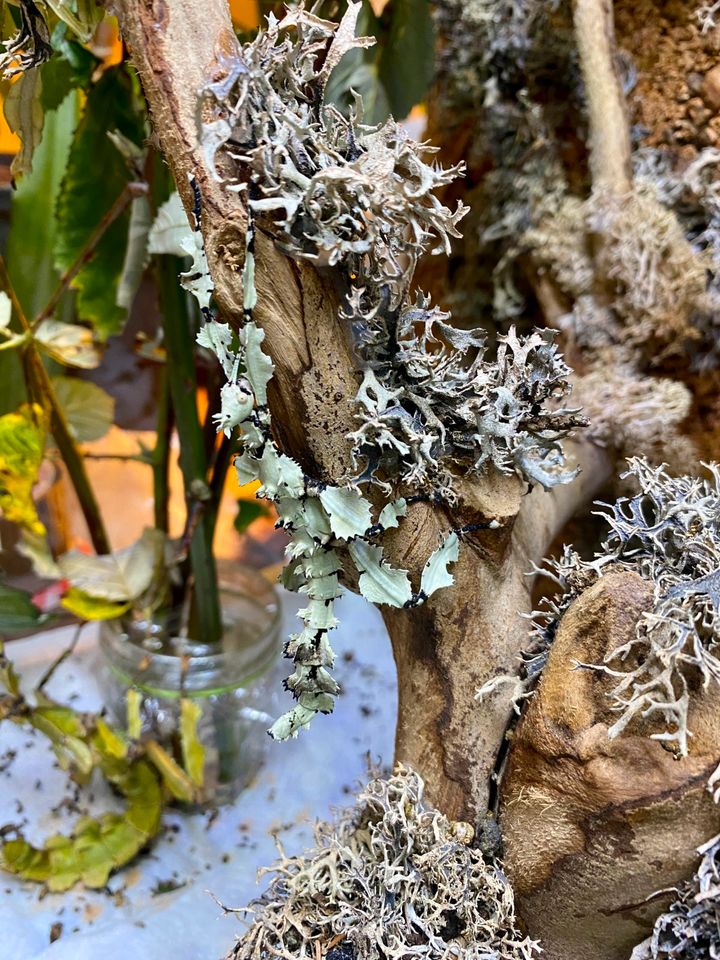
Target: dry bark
592,826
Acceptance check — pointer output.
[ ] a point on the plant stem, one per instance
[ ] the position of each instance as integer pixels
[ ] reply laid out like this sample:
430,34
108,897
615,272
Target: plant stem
205,621
221,463
72,458
161,453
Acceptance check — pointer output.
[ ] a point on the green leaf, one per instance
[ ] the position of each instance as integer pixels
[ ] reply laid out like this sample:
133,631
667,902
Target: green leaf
70,67
85,607
95,177
88,408
248,512
407,57
69,343
17,611
25,116
120,576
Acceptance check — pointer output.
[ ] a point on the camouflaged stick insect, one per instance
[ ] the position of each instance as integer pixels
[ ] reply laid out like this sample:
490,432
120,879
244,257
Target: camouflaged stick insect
337,192
318,517
142,772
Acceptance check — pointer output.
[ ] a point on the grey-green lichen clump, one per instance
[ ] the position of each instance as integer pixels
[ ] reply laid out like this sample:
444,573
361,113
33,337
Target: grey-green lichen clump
392,878
359,200
690,928
669,534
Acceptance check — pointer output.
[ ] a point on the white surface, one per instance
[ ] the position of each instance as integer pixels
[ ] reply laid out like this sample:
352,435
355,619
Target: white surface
299,783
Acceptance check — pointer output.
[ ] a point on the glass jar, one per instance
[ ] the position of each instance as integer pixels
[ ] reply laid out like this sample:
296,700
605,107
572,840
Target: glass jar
235,686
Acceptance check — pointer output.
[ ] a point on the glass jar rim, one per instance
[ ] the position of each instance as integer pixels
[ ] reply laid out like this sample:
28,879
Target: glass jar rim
241,663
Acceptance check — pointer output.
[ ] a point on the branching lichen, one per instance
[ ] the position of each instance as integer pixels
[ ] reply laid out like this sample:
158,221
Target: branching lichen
361,199
669,534
688,930
392,878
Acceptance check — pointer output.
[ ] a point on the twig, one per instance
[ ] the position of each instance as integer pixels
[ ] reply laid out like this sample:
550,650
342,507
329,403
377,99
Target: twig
47,676
59,428
609,130
129,192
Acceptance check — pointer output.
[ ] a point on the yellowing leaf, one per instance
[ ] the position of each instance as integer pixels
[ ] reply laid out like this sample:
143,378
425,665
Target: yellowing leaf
192,750
22,438
120,576
68,343
85,607
25,116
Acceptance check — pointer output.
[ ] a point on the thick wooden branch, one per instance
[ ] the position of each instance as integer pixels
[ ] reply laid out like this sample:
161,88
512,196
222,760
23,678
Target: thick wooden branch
447,648
609,134
591,824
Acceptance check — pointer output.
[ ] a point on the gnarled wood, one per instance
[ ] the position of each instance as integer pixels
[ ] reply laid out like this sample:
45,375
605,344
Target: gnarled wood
590,824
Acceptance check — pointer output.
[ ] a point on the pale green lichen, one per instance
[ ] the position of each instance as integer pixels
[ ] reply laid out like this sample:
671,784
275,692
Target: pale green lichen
360,200
391,878
669,534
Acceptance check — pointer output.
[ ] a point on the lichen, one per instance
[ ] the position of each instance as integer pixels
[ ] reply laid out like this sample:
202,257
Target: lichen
391,878
669,534
361,199
688,930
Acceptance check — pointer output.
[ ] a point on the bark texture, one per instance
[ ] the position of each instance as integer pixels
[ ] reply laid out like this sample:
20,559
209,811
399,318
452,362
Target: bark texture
474,630
592,826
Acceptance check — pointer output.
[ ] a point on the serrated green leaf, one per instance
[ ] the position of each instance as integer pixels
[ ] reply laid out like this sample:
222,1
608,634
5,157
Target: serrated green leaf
85,607
120,576
88,408
68,343
379,582
350,513
436,575
95,177
71,66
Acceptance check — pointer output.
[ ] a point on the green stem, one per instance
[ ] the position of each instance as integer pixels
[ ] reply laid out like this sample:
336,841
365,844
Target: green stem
161,453
72,458
205,621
